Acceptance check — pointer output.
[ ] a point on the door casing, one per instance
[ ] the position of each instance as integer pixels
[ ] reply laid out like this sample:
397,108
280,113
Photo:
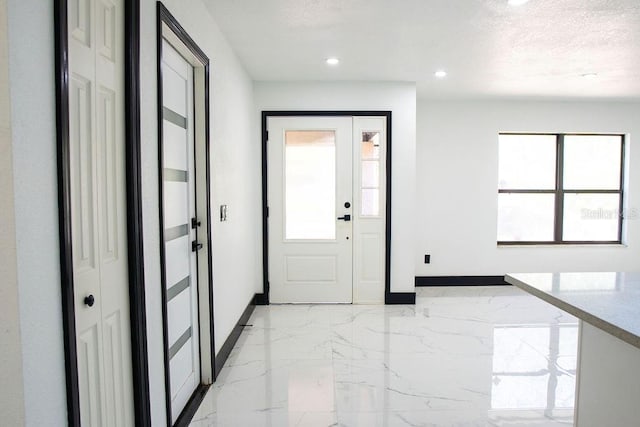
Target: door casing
263,298
168,28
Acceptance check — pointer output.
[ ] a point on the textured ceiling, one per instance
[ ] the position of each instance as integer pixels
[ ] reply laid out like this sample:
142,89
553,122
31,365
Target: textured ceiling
488,48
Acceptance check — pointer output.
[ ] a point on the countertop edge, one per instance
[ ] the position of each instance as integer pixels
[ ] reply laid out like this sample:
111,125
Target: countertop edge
593,320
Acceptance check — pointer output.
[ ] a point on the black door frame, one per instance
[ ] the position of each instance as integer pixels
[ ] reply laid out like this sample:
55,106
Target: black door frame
135,247
164,17
389,297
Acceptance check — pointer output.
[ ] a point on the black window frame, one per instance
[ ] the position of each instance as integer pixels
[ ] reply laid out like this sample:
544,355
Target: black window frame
560,192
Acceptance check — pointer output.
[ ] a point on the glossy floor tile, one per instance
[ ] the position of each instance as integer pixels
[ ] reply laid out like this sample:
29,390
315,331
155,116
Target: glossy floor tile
462,356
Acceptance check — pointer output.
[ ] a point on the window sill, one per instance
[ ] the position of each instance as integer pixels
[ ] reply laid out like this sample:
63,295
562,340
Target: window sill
563,245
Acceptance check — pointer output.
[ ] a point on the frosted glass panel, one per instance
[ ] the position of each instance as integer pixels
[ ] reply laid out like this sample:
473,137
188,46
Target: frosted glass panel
591,217
592,162
310,185
370,145
370,202
370,174
525,217
527,162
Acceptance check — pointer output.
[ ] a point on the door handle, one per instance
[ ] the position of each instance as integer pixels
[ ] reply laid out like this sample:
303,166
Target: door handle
195,246
89,300
345,218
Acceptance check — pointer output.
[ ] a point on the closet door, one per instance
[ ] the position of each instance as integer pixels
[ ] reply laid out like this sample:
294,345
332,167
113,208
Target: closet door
98,211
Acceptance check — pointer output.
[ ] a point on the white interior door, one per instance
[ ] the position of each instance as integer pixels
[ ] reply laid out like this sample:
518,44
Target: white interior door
180,232
98,211
310,209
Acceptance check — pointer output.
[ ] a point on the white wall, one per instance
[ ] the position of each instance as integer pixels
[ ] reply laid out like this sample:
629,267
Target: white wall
31,68
236,182
457,169
235,179
400,99
11,392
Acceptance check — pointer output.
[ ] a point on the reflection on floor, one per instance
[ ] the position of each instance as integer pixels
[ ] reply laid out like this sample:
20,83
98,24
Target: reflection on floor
464,356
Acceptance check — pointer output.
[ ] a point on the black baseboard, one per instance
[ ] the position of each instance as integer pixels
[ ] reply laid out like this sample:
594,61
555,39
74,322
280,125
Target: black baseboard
400,298
261,299
460,281
231,340
192,406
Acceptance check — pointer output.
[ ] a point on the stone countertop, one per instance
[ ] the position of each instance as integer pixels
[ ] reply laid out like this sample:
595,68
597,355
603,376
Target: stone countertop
607,300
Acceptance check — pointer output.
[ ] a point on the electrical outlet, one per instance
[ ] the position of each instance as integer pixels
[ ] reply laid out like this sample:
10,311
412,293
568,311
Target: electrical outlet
427,259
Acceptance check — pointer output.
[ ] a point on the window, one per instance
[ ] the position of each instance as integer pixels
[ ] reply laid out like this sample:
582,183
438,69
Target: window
370,171
560,188
310,184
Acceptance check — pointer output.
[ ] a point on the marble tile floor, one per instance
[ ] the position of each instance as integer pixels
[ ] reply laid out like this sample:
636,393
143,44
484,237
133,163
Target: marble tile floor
462,356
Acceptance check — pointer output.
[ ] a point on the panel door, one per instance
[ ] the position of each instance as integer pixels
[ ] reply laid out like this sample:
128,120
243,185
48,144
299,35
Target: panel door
98,211
180,232
310,209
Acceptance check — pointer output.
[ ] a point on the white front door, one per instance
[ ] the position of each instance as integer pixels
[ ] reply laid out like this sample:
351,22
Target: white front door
98,211
326,197
180,227
309,198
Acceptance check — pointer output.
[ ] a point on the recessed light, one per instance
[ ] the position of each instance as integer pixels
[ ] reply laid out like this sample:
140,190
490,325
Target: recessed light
517,2
590,75
440,74
333,61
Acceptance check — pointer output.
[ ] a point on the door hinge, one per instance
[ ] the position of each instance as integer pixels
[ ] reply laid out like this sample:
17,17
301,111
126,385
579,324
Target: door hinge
267,135
267,211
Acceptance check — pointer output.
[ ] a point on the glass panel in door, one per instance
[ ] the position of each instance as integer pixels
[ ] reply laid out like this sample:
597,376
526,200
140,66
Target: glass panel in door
370,174
310,185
